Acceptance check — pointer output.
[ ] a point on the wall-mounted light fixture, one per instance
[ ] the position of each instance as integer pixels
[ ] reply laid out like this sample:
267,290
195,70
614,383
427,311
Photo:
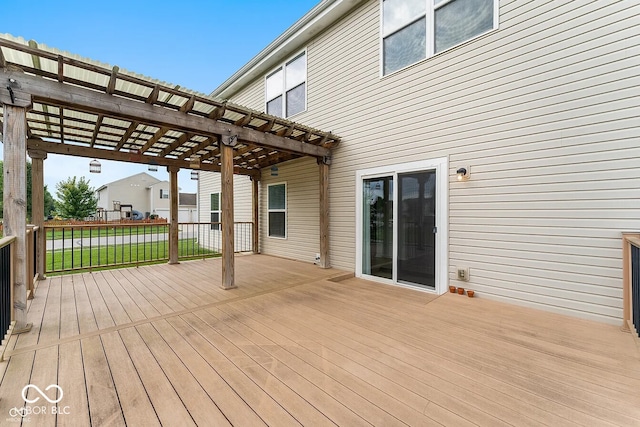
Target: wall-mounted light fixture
274,170
463,174
194,175
94,166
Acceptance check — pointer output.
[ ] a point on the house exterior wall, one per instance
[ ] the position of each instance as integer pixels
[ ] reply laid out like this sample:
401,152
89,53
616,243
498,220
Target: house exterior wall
132,190
158,205
103,199
543,111
210,182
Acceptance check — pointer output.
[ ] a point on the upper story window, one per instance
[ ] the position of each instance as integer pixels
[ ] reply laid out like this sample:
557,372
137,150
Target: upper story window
413,30
164,194
286,88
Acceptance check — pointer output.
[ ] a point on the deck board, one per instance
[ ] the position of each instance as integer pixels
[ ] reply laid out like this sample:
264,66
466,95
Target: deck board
165,345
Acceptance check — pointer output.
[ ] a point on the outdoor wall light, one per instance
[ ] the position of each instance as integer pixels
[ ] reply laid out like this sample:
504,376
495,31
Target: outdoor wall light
463,174
94,166
194,175
274,171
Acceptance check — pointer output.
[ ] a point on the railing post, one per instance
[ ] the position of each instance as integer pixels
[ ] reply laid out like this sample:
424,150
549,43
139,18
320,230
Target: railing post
31,262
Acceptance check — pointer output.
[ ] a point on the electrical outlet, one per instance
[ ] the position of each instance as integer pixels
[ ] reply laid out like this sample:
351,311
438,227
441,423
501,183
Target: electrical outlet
463,273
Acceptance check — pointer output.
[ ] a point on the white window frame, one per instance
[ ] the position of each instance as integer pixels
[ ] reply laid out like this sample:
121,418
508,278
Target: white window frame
430,36
212,211
286,216
441,166
164,193
282,67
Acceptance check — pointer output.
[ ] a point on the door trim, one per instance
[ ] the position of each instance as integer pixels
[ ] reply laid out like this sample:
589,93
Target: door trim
441,166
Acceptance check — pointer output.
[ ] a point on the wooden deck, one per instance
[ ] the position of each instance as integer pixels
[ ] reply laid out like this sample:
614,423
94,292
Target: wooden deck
164,345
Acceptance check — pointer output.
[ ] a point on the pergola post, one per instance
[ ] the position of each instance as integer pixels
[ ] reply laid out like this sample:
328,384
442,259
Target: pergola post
324,212
15,205
37,207
173,214
228,260
256,213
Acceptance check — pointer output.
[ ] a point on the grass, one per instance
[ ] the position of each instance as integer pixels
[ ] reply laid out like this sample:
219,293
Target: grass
119,255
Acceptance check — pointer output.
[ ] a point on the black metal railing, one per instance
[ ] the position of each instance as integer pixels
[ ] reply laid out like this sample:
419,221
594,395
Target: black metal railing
635,286
209,236
82,247
86,247
6,302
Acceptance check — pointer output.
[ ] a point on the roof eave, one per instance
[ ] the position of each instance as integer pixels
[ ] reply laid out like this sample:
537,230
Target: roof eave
315,21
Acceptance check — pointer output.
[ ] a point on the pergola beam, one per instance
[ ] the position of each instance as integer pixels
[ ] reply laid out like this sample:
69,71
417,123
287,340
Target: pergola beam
96,153
90,101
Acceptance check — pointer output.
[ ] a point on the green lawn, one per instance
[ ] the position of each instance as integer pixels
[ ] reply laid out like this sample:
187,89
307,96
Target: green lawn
119,255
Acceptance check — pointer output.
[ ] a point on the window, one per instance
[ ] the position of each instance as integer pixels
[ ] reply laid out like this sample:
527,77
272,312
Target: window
215,211
286,88
164,194
278,210
413,30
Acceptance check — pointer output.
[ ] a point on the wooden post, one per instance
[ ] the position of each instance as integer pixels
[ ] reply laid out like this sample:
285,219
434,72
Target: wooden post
173,214
15,205
228,261
324,213
37,207
256,214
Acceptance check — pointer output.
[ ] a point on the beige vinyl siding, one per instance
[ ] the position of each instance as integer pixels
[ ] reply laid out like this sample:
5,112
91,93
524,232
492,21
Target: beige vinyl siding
210,183
252,96
303,215
544,112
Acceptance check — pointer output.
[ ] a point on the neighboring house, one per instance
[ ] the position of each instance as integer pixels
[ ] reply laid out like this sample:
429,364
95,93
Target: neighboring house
538,101
147,195
187,205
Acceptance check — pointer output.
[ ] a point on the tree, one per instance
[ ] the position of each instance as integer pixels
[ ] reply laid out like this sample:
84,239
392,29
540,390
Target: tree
48,198
76,199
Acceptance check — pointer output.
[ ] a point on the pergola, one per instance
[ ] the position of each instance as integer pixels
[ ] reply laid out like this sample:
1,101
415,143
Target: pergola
54,102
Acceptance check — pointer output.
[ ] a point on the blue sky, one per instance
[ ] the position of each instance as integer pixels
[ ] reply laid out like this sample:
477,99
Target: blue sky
196,44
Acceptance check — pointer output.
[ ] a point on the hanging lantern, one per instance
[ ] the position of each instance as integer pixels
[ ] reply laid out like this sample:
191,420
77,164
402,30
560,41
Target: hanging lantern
94,166
194,175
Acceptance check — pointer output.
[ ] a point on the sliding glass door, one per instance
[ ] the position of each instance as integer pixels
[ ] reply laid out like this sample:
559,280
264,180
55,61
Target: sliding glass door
400,211
378,227
416,263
